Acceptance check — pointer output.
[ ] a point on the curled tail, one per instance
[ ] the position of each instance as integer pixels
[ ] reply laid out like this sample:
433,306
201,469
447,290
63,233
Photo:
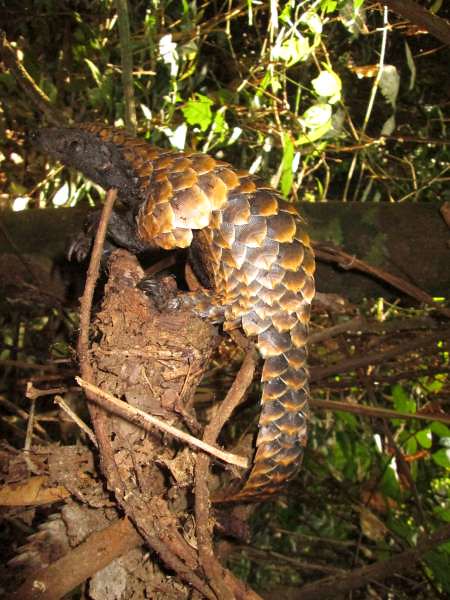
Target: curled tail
282,433
284,416
279,318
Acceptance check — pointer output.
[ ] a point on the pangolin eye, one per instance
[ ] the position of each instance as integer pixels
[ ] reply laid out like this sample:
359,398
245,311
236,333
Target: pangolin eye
75,146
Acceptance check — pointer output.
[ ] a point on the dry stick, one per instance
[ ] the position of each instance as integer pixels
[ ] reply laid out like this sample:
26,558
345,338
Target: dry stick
76,419
435,25
87,373
95,553
360,324
331,587
127,65
376,358
330,253
28,85
142,419
222,581
106,454
370,411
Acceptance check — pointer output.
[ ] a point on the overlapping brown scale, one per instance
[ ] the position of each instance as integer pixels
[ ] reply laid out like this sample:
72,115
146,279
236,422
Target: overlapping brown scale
274,366
182,237
162,219
224,236
294,281
215,189
273,343
291,302
264,202
268,434
144,170
281,227
252,324
181,163
299,335
246,184
237,211
252,289
271,279
297,357
293,403
309,289
215,222
265,255
283,321
162,163
247,274
253,233
309,265
294,378
291,255
301,234
238,253
202,163
166,241
270,296
228,176
182,180
267,451
192,208
273,389
262,309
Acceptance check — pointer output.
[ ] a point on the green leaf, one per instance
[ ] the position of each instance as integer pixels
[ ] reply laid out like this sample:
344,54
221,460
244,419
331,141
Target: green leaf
350,421
440,429
198,111
317,116
292,50
312,20
442,457
95,72
402,400
287,175
439,563
442,513
328,85
425,437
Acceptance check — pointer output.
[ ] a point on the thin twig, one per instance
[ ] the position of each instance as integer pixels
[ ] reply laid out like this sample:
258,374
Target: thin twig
330,253
207,557
331,587
373,94
146,421
127,65
376,358
371,411
28,85
76,419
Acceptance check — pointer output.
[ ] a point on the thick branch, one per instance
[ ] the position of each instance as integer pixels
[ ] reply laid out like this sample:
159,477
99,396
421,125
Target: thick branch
436,26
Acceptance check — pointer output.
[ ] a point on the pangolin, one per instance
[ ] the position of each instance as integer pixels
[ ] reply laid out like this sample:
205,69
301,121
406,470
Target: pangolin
249,248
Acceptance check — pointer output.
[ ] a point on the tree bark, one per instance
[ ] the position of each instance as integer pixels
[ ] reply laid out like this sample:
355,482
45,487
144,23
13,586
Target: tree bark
407,240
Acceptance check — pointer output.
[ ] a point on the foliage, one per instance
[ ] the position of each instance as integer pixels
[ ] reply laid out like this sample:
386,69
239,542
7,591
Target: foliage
305,94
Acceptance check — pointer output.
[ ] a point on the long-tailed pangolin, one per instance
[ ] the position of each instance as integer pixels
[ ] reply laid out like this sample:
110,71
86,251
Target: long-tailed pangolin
248,246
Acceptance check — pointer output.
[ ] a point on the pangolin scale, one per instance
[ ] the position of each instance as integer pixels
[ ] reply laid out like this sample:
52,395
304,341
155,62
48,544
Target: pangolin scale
251,248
